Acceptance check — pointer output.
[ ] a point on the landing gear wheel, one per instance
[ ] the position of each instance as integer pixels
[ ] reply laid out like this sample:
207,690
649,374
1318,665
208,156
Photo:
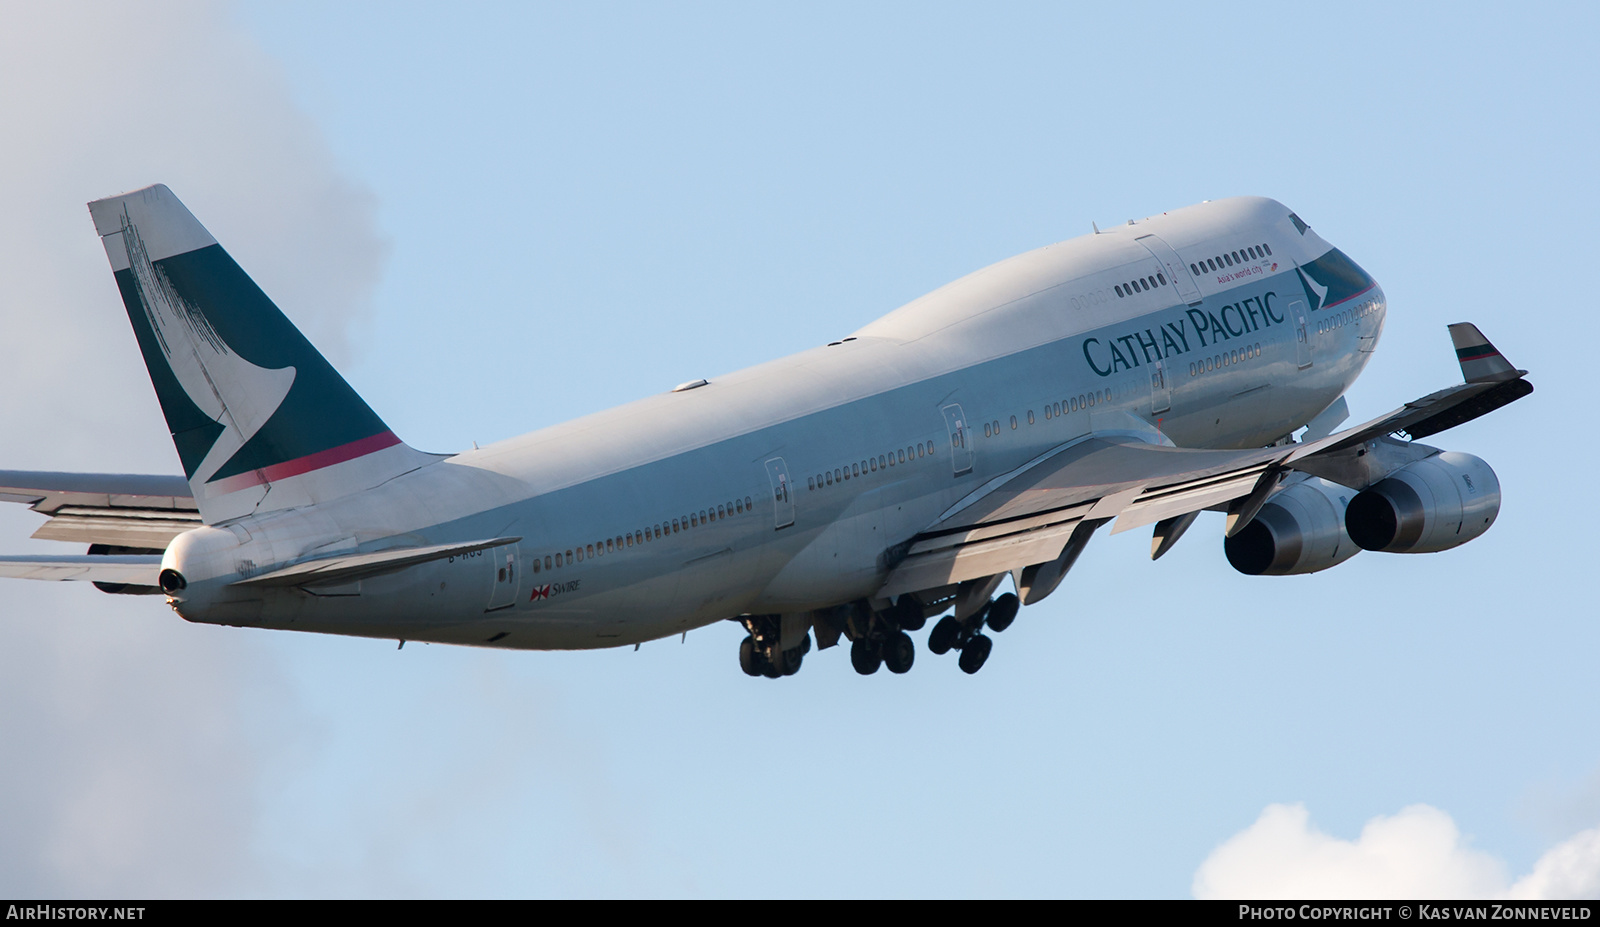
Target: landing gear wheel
791,661
899,652
1002,612
944,634
865,657
908,615
975,653
749,660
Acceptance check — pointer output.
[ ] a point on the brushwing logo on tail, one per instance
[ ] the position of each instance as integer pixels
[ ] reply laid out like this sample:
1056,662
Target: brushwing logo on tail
203,364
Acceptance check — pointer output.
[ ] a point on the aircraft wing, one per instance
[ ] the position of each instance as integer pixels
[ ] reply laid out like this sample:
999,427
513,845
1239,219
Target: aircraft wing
112,509
1030,516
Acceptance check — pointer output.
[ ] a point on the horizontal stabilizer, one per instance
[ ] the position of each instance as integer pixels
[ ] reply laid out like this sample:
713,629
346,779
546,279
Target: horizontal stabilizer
351,567
127,490
125,569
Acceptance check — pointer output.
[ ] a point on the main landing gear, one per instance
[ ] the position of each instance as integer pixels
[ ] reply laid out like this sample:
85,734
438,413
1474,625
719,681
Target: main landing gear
880,638
760,653
776,644
965,634
897,652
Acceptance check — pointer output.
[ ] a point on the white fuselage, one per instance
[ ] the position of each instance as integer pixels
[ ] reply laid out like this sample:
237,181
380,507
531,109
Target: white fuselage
791,486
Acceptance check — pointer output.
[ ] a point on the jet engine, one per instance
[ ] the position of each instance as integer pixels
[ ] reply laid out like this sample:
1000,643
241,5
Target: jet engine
1299,530
1437,503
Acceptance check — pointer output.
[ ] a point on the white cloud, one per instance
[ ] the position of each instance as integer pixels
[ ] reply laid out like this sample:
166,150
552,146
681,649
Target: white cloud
1570,870
99,99
1416,853
137,746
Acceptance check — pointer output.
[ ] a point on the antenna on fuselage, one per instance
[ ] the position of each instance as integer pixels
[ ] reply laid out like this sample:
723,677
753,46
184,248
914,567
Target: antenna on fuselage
1095,227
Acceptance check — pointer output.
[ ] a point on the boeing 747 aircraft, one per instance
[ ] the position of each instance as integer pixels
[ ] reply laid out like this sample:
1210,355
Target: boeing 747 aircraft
1133,377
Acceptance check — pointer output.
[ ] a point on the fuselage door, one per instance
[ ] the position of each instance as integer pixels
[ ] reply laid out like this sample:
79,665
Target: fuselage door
782,493
503,560
1176,271
960,441
1160,387
1302,337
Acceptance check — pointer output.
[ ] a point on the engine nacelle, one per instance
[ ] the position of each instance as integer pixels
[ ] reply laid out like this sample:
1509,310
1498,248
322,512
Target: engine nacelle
1299,530
1435,504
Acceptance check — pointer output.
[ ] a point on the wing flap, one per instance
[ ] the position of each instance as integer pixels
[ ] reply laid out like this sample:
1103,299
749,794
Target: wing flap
929,541
1186,498
153,530
116,509
1093,469
950,565
1126,474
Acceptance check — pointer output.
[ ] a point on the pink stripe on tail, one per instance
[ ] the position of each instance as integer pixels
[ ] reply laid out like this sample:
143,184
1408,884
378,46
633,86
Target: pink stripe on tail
317,461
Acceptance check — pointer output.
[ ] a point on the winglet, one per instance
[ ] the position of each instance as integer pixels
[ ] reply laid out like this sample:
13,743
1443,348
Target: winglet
1480,361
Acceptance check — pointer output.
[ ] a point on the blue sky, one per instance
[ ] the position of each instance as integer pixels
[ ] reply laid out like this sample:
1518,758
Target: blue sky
498,217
